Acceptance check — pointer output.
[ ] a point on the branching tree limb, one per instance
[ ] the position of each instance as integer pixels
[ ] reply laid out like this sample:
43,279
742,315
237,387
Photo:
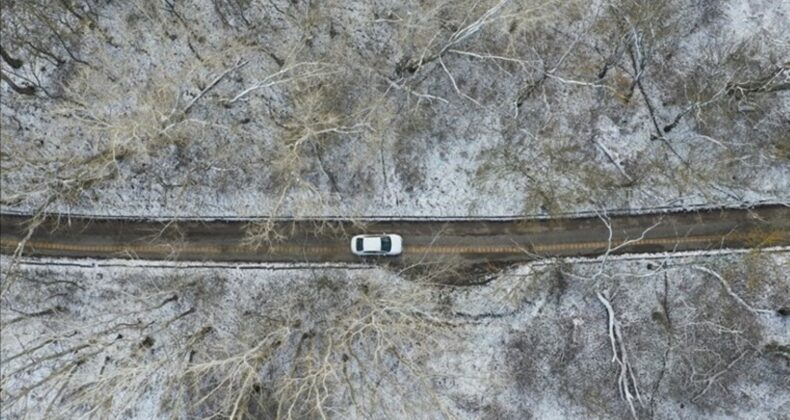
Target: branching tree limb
626,379
728,289
239,64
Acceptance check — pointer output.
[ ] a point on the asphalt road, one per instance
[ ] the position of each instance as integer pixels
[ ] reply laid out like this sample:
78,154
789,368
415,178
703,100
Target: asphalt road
472,241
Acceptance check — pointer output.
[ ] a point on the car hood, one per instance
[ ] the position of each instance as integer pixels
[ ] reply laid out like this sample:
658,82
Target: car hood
397,244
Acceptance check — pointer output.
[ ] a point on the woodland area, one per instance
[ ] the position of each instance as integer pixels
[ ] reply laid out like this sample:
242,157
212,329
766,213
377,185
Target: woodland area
240,107
264,108
634,337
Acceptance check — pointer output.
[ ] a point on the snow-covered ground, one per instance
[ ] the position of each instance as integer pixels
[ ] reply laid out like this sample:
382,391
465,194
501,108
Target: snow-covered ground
536,113
151,342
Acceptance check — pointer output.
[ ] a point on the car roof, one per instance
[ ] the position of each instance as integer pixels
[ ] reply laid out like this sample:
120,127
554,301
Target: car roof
371,243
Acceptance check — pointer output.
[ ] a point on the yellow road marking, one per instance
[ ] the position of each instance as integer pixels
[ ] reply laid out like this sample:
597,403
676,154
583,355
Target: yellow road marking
571,246
285,249
164,248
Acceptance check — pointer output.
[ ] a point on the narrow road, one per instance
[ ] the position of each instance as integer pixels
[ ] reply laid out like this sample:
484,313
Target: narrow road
472,241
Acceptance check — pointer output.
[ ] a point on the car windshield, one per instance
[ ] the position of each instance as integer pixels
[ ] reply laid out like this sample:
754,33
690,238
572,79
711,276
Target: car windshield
359,244
386,244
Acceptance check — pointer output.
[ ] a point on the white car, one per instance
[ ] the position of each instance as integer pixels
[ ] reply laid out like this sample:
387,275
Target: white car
384,244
